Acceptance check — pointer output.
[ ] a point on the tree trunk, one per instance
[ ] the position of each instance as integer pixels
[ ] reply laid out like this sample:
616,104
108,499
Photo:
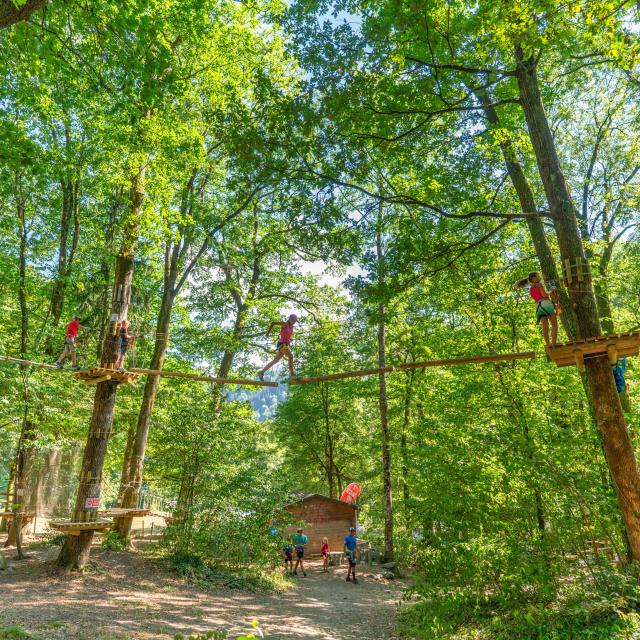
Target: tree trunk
75,551
404,451
384,413
536,228
12,12
608,412
132,473
25,449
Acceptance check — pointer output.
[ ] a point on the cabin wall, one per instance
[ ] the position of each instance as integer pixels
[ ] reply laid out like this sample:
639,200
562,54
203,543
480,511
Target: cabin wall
323,518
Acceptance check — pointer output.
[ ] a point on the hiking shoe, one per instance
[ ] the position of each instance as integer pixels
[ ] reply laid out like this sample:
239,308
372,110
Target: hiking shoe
295,573
304,573
59,365
348,578
76,367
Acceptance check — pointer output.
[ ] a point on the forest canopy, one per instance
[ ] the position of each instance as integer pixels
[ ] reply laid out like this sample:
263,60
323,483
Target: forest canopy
178,176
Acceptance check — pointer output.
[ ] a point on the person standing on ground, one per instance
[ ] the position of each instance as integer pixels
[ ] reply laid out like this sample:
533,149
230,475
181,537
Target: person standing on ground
70,343
299,542
287,550
283,348
350,549
324,550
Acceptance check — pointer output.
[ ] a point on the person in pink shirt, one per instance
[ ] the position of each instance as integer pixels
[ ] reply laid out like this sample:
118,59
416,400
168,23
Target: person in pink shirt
324,550
70,343
545,307
283,347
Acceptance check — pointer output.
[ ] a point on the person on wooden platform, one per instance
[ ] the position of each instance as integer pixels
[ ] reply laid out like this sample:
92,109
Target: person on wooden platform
283,348
350,550
70,343
300,542
546,311
124,341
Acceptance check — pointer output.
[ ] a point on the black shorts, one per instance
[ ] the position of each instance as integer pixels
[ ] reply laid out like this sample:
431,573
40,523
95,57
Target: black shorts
351,557
280,346
300,552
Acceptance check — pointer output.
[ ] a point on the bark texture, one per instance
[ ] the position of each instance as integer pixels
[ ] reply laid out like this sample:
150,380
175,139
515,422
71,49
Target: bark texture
11,14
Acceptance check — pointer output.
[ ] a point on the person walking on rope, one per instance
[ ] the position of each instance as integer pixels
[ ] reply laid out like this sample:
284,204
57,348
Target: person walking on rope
124,340
350,550
545,306
70,343
283,349
299,542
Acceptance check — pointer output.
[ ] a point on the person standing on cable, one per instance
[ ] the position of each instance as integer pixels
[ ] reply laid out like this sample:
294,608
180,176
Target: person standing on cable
283,349
70,343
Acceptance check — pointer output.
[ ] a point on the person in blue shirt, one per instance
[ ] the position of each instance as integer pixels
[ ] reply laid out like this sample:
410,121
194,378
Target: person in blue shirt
299,542
350,549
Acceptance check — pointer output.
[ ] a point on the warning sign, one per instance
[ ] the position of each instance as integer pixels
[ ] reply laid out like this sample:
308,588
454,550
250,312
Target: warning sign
92,503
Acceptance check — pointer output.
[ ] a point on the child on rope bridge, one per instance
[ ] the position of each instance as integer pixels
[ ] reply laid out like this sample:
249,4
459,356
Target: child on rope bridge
282,348
70,343
545,307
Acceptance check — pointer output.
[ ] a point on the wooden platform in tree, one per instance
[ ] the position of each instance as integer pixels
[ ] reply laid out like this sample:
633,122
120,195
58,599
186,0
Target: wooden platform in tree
99,374
201,378
22,515
613,346
125,513
75,528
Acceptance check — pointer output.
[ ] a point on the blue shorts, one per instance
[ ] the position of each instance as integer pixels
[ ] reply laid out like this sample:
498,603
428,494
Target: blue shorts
282,345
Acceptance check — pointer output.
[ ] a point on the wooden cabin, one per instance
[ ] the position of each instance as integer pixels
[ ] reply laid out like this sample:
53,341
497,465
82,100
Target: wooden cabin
323,517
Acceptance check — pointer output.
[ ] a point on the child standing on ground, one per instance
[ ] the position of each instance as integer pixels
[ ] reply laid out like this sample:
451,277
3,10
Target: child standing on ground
283,349
70,343
287,551
545,307
124,341
324,550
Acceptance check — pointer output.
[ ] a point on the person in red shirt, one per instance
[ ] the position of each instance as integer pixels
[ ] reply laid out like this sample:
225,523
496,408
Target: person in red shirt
283,347
324,550
70,343
545,307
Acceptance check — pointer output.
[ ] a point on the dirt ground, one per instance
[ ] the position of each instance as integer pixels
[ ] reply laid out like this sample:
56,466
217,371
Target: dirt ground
130,596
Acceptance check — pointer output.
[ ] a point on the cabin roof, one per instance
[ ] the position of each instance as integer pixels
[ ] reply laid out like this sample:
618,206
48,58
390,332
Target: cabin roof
312,496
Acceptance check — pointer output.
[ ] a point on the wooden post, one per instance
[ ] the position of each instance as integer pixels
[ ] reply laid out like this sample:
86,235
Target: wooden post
579,358
612,352
341,376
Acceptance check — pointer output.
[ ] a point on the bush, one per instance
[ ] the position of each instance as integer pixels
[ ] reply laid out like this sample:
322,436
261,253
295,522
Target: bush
13,633
113,541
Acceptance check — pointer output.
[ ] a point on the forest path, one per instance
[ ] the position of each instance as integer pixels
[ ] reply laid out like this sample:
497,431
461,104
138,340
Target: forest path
131,597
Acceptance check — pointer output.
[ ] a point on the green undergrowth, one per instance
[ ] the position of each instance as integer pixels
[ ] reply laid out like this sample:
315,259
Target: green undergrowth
208,577
113,541
577,612
13,632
